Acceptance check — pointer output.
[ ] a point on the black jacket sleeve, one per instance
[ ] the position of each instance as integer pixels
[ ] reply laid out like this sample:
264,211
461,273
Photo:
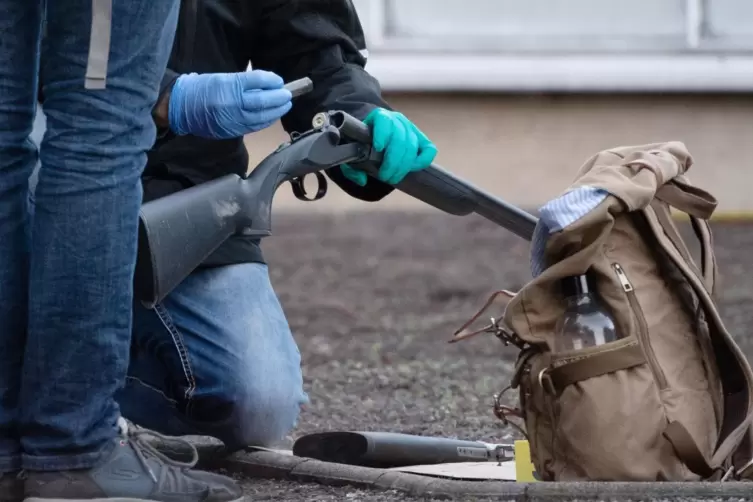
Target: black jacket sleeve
322,40
168,80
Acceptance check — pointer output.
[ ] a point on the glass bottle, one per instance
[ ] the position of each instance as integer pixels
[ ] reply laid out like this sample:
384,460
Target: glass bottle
586,322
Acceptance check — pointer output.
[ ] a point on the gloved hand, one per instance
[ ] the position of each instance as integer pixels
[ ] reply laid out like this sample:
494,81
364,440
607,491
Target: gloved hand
227,105
406,148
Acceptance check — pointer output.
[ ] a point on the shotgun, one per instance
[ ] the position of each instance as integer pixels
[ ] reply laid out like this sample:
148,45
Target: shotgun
391,449
179,231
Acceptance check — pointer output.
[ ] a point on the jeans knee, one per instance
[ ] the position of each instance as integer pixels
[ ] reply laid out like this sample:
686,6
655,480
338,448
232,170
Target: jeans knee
256,414
243,382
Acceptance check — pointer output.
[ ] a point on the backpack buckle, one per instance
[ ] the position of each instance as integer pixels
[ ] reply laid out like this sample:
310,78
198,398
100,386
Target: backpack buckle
504,412
546,383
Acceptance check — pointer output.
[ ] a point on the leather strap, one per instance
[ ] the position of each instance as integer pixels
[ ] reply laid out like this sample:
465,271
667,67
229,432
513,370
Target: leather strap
688,199
591,366
463,332
707,272
709,266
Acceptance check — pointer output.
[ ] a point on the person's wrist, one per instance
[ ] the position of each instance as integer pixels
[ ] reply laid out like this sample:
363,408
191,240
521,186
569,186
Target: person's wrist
161,112
174,109
374,111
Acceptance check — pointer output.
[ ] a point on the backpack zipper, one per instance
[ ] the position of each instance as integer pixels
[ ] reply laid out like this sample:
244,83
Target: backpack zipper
643,336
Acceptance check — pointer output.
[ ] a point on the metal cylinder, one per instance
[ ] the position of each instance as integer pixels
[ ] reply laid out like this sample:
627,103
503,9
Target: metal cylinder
319,120
299,87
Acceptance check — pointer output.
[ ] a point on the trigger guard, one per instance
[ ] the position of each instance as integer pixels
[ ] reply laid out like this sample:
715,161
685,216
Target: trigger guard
300,191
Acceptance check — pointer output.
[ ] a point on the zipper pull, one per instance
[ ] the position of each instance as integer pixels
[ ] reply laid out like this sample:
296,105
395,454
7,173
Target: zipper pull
622,276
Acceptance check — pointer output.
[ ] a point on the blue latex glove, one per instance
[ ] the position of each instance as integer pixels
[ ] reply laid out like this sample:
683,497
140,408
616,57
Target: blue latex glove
227,105
406,148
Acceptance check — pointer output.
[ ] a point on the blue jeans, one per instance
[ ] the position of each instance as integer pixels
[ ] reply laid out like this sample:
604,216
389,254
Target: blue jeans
216,358
65,277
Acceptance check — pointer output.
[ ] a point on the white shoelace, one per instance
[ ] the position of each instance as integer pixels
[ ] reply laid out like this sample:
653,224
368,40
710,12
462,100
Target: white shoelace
137,438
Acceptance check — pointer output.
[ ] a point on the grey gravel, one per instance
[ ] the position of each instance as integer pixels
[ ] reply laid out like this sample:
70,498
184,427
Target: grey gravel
286,490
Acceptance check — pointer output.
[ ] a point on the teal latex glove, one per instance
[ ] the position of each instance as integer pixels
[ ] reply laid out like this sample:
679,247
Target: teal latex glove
406,149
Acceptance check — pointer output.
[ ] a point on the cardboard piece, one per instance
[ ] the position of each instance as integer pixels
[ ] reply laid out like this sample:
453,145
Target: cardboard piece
471,471
271,450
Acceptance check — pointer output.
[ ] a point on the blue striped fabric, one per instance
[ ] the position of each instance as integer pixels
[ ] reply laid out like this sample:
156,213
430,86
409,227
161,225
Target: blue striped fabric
558,214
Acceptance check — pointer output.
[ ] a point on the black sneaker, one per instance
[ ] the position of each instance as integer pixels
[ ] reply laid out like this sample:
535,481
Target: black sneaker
11,488
134,472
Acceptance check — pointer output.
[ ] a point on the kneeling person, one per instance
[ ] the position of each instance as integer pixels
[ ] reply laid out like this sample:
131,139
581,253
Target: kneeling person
217,357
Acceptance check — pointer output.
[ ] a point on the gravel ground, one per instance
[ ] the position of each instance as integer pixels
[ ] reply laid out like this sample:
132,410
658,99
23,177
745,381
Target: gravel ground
277,490
373,298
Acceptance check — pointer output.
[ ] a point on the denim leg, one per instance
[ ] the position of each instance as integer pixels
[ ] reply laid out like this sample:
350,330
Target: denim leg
216,358
84,229
20,24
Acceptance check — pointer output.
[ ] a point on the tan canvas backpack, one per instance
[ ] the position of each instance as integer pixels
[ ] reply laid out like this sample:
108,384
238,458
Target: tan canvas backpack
672,399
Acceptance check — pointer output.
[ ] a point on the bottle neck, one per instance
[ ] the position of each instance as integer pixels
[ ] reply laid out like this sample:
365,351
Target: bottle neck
575,286
579,299
580,285
578,292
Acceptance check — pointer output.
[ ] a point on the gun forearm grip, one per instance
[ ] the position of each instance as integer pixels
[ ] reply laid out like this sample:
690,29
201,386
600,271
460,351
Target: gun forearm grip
440,188
452,195
434,185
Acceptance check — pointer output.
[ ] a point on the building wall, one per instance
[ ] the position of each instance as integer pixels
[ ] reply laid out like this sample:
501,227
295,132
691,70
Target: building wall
526,148
618,69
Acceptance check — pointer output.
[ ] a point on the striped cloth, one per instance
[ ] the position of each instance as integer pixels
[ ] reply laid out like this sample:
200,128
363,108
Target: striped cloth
558,214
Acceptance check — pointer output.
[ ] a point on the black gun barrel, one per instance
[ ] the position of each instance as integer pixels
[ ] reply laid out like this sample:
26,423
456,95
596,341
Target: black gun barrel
438,187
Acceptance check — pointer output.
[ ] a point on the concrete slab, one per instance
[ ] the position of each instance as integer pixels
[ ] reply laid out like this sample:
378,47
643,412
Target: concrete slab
335,474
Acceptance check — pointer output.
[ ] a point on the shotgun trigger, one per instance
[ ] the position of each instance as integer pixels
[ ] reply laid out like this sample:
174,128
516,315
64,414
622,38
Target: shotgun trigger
299,188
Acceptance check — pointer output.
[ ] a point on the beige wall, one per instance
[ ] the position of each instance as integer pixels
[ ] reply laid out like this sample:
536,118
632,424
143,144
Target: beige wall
526,149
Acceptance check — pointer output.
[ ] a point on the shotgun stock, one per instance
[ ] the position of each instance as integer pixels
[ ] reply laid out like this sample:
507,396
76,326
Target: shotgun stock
179,231
387,450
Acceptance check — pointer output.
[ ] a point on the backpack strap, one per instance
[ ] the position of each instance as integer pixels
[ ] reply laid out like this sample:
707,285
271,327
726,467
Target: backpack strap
735,373
686,198
742,459
709,266
494,326
99,45
708,271
687,450
698,205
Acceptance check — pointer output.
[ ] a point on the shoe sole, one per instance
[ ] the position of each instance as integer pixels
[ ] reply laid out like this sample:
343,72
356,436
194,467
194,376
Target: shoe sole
117,499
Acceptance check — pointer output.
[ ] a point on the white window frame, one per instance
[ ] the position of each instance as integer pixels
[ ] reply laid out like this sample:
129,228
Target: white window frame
697,64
